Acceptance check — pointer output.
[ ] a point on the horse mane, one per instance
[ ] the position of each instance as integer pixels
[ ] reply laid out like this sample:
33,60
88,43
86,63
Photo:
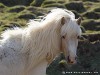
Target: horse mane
40,40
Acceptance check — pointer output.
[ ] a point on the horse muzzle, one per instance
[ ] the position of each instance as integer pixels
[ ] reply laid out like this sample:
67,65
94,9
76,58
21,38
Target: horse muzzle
71,60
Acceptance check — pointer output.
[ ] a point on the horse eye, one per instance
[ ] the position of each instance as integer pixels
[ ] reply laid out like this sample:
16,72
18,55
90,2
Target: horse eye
63,37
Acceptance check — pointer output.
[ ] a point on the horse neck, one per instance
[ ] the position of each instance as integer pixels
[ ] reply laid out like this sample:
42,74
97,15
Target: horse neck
44,44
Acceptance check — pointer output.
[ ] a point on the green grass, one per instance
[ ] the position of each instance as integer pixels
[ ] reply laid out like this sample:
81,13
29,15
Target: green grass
54,5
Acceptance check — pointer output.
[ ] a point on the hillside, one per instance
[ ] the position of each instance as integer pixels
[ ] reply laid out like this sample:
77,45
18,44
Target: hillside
18,12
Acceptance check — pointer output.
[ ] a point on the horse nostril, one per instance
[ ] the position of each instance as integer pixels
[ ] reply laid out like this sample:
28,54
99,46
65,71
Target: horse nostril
75,58
71,62
68,59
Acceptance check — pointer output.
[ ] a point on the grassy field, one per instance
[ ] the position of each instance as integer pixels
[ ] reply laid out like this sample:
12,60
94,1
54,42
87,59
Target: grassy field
18,12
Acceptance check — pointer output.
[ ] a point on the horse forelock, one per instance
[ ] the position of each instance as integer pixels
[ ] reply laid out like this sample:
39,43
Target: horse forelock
71,29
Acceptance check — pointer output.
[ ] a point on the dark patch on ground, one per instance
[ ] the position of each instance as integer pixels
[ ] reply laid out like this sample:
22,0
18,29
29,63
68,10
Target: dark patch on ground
77,6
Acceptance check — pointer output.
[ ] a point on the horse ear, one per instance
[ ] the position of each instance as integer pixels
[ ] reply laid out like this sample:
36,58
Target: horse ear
79,20
62,20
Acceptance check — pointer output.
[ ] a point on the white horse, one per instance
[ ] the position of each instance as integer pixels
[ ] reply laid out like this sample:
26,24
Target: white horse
28,51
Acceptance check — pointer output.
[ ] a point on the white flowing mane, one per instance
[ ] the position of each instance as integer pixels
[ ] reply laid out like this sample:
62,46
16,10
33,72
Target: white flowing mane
40,40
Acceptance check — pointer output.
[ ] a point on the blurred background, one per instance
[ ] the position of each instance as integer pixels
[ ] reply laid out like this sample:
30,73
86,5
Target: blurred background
18,12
